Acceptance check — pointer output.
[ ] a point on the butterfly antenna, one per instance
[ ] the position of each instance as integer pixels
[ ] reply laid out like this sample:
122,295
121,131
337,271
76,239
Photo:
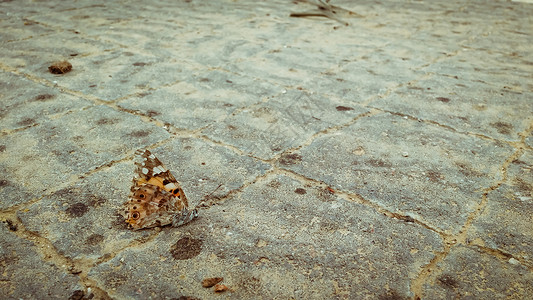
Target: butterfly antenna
207,197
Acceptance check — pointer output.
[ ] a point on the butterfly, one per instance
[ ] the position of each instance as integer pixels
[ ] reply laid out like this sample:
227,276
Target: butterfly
156,197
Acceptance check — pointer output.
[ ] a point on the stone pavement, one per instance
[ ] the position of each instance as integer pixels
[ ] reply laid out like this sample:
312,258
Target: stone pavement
388,159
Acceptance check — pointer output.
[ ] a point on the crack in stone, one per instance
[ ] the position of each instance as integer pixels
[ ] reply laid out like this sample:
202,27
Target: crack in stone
431,270
50,254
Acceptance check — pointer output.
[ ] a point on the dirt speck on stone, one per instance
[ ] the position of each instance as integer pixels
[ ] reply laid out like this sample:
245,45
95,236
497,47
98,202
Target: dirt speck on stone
186,248
185,298
290,159
209,282
77,210
43,97
300,191
502,127
11,225
447,281
95,239
77,295
443,99
60,67
343,108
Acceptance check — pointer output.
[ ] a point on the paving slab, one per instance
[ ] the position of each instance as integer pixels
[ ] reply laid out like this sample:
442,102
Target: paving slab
467,273
60,150
26,274
202,98
529,141
34,55
117,73
281,122
279,238
27,104
407,166
478,107
344,80
81,15
208,171
382,154
506,73
505,224
84,220
20,28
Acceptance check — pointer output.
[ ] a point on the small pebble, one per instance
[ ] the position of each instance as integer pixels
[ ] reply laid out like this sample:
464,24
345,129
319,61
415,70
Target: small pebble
219,288
209,282
60,67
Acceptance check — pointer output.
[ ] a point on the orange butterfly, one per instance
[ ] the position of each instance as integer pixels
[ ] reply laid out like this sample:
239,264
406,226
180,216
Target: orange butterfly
156,197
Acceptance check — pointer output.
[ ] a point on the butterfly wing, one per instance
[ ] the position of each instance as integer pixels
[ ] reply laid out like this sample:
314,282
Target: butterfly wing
149,206
156,197
152,171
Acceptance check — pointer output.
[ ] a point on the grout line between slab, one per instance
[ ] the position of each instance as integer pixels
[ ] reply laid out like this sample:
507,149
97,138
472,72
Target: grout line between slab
431,270
50,253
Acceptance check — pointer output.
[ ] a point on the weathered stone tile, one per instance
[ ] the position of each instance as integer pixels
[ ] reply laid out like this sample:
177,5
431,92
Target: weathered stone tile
282,122
366,76
85,221
119,73
501,31
509,42
307,62
529,141
17,28
505,223
503,73
292,55
280,238
220,69
467,106
202,98
85,16
25,275
58,150
27,103
36,54
409,167
201,167
468,274
150,271
28,7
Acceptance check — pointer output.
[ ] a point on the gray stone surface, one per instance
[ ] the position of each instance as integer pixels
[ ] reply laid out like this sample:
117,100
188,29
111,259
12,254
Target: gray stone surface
464,105
27,274
406,166
84,219
263,242
387,159
60,150
284,121
505,224
469,274
202,98
33,103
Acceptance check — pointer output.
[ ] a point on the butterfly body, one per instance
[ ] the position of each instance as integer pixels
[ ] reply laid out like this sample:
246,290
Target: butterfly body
156,197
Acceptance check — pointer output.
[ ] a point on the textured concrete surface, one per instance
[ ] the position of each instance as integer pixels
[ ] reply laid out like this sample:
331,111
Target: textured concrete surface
388,159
